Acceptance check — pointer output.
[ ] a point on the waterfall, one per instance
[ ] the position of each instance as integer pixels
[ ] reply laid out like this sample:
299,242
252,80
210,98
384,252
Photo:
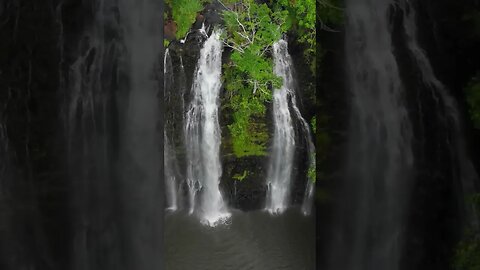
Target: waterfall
7,198
141,138
202,134
89,86
182,84
379,155
451,116
113,140
5,166
171,167
308,197
283,148
307,136
170,161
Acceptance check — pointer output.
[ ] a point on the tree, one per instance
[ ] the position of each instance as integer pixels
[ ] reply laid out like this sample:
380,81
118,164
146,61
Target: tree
184,13
251,30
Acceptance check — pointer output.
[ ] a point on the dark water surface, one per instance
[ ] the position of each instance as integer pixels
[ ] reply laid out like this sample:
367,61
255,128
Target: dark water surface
251,241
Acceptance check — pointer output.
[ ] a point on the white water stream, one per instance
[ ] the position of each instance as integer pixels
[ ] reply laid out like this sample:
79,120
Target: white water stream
202,135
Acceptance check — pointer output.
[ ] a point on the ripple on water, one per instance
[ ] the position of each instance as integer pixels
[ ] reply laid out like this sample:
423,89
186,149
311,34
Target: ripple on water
248,241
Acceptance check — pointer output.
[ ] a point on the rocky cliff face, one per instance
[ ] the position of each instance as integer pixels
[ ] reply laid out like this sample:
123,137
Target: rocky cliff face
244,178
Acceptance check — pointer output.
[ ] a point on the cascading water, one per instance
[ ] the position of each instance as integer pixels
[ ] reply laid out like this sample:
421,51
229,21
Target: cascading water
451,116
7,233
171,167
308,197
142,138
307,136
182,84
5,175
283,149
114,154
380,158
202,134
89,90
310,184
170,161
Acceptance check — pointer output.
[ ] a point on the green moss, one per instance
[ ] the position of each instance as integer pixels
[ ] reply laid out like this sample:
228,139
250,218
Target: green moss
312,171
313,124
241,177
249,139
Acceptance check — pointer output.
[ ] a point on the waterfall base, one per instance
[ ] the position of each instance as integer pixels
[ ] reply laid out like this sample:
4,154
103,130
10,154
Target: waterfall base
251,240
215,219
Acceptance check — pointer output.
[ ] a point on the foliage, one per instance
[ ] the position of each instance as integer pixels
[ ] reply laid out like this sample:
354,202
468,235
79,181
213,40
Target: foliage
312,169
467,256
242,177
252,29
330,14
473,99
302,18
248,139
184,13
313,124
254,26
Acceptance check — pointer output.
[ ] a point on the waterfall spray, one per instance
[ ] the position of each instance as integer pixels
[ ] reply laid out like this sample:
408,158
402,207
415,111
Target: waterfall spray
141,149
380,158
467,172
170,161
202,134
283,148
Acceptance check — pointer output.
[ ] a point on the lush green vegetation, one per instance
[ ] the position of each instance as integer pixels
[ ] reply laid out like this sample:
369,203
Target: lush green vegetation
330,14
302,19
241,177
473,99
184,13
467,255
312,170
251,31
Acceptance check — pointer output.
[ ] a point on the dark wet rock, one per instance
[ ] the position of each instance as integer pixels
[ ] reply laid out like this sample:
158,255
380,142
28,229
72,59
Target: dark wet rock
248,194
